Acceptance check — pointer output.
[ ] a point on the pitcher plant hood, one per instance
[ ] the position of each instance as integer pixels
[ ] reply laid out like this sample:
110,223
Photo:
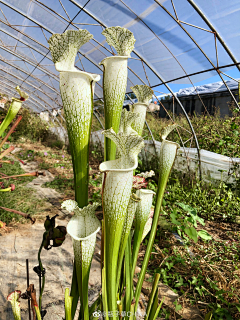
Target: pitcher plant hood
64,47
128,143
121,39
13,109
118,179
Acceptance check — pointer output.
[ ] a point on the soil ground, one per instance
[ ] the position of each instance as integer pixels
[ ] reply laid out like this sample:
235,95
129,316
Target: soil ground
19,242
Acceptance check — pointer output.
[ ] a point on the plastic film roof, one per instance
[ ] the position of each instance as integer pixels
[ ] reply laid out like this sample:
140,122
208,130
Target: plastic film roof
177,42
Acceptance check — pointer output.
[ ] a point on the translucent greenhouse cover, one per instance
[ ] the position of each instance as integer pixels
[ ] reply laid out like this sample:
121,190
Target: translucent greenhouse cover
177,42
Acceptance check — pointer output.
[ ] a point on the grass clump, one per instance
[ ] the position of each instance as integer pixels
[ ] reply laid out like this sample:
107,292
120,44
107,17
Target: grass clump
209,280
214,202
214,133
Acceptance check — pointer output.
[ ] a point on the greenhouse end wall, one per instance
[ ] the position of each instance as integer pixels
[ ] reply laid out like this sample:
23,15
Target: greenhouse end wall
194,104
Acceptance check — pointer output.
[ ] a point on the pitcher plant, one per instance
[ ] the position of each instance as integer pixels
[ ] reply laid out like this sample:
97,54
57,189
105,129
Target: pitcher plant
77,91
127,215
144,94
115,81
13,109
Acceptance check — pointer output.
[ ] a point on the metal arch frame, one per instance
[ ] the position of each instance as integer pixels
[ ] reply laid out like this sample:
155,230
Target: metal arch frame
209,60
174,55
11,90
48,30
220,39
153,70
214,68
36,65
23,33
193,74
44,27
51,31
32,85
24,42
86,11
28,91
100,44
47,95
22,70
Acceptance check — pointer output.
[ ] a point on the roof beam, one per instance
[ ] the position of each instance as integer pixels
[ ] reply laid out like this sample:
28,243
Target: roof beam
32,85
220,39
159,77
24,42
24,71
31,93
52,32
195,42
30,99
36,65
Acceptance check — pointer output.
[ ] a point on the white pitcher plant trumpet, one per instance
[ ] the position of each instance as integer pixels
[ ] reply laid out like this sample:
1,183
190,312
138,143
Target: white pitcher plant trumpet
115,80
142,215
77,90
117,185
167,156
144,94
83,228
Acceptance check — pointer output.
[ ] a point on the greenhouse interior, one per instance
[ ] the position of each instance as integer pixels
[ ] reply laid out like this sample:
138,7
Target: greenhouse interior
119,159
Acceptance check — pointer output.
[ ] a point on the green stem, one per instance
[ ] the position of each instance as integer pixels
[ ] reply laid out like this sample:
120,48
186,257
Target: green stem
158,309
154,306
132,315
37,310
74,291
94,306
158,206
128,293
43,277
136,245
68,305
151,298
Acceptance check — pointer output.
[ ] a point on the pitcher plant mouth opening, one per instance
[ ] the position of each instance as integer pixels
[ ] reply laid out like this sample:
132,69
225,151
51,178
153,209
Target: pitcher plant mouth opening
92,76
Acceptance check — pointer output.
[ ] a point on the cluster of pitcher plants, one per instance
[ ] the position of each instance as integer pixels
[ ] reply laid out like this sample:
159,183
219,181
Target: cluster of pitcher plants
127,214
